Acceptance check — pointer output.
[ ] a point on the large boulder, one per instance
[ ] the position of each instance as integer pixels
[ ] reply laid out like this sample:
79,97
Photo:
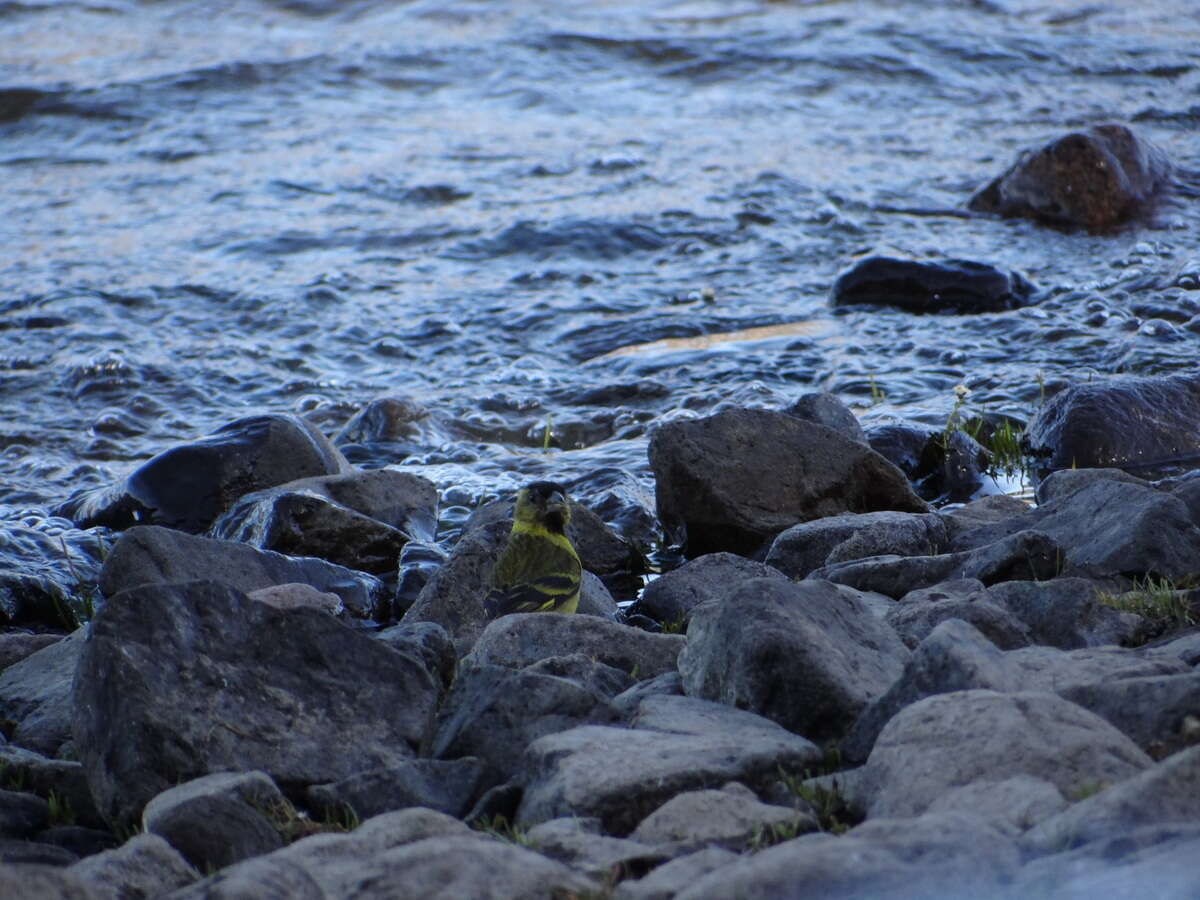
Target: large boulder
178,681
734,480
671,597
189,485
1121,421
677,744
927,286
804,548
155,555
35,696
360,520
1095,179
1066,613
950,740
807,655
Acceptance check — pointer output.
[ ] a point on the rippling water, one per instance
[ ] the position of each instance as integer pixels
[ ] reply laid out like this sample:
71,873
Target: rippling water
527,216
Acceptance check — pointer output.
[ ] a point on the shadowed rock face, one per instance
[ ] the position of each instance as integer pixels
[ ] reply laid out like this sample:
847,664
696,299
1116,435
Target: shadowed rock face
1121,422
1095,179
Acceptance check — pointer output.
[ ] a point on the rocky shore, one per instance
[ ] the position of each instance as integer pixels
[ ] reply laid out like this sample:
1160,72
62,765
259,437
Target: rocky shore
843,692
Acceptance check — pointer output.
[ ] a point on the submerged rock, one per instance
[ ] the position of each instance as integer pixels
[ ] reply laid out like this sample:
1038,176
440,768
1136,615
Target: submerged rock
182,680
734,480
1125,421
189,485
1095,179
943,286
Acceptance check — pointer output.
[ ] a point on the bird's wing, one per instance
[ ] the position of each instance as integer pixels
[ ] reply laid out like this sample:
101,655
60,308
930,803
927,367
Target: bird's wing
533,575
542,594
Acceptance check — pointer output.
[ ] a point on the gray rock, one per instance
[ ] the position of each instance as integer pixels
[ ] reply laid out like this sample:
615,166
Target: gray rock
1158,712
144,866
154,555
671,597
1022,556
42,882
1184,647
220,819
918,612
446,786
189,485
17,645
35,695
934,856
523,639
399,419
1108,528
621,775
1165,794
807,655
1065,482
298,596
804,548
596,855
627,703
1012,805
956,657
494,713
428,642
675,876
22,814
178,681
712,494
1065,613
44,776
826,409
1154,861
595,599
732,817
585,670
984,511
258,878
950,740
79,839
15,851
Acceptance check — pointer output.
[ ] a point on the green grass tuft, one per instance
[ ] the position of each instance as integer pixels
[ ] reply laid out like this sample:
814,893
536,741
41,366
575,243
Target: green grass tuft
1164,603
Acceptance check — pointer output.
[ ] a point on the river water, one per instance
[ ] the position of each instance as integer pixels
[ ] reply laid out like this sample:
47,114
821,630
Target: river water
550,223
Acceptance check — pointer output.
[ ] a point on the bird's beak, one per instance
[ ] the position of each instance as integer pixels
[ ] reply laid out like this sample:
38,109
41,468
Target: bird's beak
556,501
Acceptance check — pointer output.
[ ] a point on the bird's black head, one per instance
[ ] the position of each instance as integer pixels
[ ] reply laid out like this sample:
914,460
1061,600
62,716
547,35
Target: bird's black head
544,503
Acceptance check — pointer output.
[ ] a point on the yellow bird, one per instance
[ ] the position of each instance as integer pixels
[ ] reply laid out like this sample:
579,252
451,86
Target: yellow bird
539,570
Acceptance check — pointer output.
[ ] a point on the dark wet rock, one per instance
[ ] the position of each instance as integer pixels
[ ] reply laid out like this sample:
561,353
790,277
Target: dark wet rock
1095,179
394,420
578,843
189,485
947,466
266,877
956,657
1107,528
360,520
1157,858
494,713
17,645
734,480
804,548
31,881
826,409
448,786
1026,555
1125,421
621,775
601,550
218,820
622,501
428,642
79,840
35,696
730,817
959,286
153,555
671,597
918,612
523,639
954,736
22,815
46,579
1165,794
1013,805
675,876
43,776
418,562
807,655
936,855
1065,613
178,681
